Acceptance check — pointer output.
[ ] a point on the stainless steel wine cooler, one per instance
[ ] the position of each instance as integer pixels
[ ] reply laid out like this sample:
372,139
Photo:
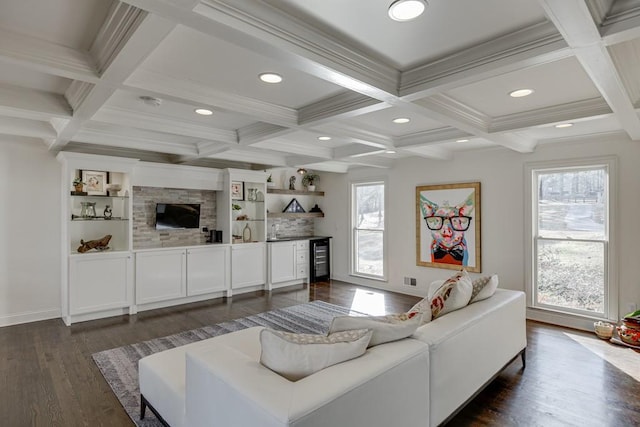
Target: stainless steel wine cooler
320,260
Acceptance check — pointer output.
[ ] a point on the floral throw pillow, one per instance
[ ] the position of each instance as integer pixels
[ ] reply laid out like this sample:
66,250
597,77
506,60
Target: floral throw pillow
453,294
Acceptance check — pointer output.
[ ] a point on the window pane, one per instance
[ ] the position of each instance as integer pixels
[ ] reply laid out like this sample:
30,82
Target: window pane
370,206
369,252
571,275
572,204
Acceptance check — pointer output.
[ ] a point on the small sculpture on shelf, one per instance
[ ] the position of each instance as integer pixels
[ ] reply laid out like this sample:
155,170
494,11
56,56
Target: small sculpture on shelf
107,212
292,183
99,244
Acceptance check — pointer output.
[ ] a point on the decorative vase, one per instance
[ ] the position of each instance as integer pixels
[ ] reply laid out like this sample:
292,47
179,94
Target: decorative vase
246,234
78,187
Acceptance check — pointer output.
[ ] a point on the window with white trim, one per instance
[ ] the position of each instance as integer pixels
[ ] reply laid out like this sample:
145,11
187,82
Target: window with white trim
368,225
570,238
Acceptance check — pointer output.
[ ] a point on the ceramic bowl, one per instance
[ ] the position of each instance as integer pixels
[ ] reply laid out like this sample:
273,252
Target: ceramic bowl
630,336
603,330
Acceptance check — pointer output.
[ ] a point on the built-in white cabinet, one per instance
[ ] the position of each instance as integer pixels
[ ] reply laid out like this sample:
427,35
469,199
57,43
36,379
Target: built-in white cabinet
161,275
97,276
208,270
288,263
172,274
248,265
99,282
282,262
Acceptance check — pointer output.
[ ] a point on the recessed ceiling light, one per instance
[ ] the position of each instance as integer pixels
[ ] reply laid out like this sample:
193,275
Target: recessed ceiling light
564,125
203,111
462,140
324,138
270,77
390,151
401,120
520,93
406,10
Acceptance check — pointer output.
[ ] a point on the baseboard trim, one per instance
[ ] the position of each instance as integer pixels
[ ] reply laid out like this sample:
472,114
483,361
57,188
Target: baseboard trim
560,319
29,316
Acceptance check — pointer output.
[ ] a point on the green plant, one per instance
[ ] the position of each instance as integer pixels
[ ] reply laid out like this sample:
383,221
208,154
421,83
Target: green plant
236,207
310,179
78,181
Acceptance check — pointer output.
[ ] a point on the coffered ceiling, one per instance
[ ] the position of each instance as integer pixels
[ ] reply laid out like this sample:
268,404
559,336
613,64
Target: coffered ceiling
73,74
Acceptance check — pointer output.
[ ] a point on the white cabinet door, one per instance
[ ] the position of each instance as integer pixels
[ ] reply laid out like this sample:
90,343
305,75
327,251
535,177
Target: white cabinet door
248,262
99,282
160,275
282,261
207,270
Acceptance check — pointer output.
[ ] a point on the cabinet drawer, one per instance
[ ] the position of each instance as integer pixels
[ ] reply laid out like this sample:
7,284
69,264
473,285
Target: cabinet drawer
302,245
301,257
302,272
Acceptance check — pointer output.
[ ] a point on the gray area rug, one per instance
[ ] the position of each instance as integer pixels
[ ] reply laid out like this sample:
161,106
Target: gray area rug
119,366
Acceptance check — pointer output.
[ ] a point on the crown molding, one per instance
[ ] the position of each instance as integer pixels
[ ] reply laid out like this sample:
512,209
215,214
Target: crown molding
161,123
121,22
353,134
291,147
534,45
454,109
430,152
341,106
625,57
557,113
47,57
429,137
260,131
352,151
184,91
77,92
599,9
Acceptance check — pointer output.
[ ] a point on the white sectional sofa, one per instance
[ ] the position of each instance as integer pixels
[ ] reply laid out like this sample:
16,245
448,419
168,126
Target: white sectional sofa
423,380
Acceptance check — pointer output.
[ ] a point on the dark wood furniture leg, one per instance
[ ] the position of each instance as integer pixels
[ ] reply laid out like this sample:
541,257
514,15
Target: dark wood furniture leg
144,403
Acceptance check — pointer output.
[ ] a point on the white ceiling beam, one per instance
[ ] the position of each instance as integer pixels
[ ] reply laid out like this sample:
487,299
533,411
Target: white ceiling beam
133,35
158,123
121,139
260,131
421,139
341,106
535,45
433,152
44,56
32,104
574,21
355,150
25,127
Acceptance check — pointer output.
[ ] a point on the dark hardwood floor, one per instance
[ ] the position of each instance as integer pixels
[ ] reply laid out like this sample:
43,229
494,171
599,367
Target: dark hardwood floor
48,378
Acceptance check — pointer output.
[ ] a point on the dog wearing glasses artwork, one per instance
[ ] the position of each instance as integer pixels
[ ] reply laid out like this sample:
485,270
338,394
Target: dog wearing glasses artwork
448,216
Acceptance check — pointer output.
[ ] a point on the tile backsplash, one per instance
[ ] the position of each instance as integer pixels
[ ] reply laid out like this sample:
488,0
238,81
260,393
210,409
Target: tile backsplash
292,227
145,235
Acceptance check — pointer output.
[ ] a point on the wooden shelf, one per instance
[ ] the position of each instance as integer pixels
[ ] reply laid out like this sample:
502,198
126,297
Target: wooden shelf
297,192
296,215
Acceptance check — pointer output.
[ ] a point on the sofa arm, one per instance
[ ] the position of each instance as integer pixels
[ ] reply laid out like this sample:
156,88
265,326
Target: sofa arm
227,387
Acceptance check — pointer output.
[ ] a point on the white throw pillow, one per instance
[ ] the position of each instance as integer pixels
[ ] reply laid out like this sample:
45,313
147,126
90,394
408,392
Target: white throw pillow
483,288
295,356
444,297
385,328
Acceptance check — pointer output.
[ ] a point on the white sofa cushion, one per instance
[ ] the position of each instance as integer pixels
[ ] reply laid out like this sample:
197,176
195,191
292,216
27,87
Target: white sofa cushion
385,328
452,294
295,356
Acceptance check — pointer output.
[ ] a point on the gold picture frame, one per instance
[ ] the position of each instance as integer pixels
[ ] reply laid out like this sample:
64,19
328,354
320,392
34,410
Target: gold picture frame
448,226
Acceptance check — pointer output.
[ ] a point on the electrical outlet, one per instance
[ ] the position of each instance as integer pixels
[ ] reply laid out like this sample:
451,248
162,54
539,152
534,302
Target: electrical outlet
205,229
410,281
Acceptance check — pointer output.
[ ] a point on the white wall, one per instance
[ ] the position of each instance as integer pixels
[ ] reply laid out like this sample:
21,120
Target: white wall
29,232
501,173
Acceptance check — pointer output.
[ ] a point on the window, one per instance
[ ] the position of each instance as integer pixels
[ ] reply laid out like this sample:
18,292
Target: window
368,239
570,244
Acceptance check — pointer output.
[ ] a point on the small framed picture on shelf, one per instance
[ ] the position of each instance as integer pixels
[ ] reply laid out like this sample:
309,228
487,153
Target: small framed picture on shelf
237,190
95,182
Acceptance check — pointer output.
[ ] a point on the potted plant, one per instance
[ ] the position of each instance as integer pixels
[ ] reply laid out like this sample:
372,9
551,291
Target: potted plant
309,181
237,210
78,185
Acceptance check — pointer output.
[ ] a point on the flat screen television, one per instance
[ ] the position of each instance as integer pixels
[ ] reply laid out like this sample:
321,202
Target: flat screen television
177,215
